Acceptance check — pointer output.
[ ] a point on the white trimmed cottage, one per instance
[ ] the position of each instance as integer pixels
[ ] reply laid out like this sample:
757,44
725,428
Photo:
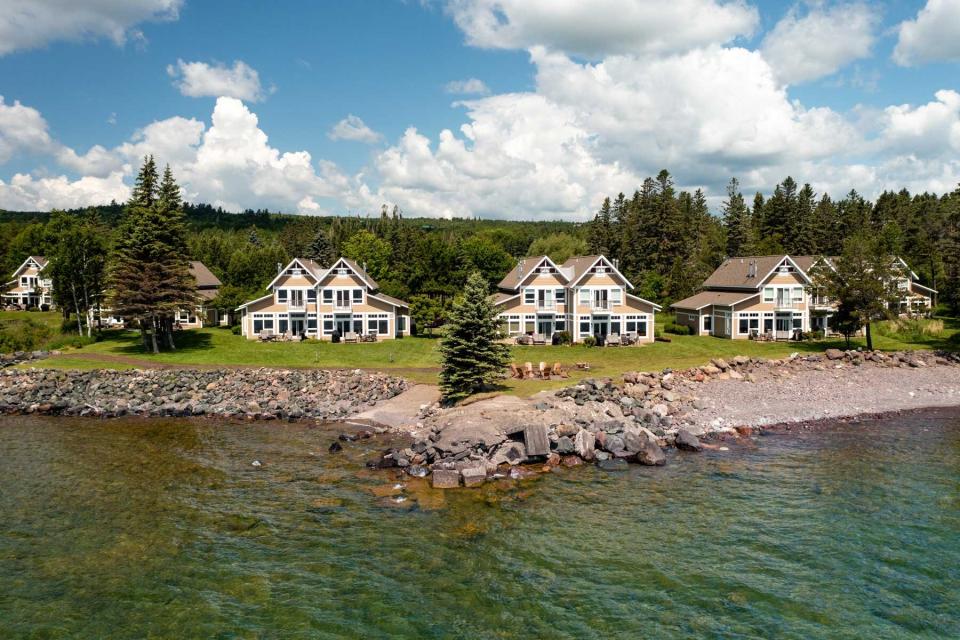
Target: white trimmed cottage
772,297
29,287
306,299
585,296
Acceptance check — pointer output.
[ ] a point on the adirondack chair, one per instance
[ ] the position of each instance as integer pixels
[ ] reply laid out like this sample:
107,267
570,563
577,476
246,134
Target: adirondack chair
559,371
528,370
544,371
350,337
515,372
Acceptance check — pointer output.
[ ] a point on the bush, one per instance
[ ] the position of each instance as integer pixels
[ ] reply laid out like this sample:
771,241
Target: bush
678,329
817,335
236,329
69,326
910,329
564,337
589,341
44,307
33,309
23,335
74,341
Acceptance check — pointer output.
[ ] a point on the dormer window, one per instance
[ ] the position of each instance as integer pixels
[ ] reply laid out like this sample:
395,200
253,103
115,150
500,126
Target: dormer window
295,271
342,271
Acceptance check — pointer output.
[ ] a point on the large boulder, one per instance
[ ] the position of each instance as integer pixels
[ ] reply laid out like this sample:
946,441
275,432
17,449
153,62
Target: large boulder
446,479
512,453
642,444
583,444
687,441
473,476
834,354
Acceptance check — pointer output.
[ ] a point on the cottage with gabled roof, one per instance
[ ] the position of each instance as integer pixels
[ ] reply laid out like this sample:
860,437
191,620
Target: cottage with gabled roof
306,299
773,297
585,296
29,287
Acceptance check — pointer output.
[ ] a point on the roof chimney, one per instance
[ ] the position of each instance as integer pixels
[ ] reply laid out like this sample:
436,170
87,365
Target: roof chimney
520,268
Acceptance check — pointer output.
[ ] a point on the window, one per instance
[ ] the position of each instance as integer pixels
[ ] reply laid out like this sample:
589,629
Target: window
560,324
529,296
636,324
312,323
358,295
601,299
328,325
328,296
768,294
401,323
748,322
284,325
767,324
529,324
296,297
281,295
311,295
378,323
615,326
560,295
513,324
797,322
708,323
797,294
545,298
585,326
616,296
585,296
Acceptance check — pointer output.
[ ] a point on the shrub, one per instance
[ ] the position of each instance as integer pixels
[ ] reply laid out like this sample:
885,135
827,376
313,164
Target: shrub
69,326
564,337
910,329
817,335
74,341
33,309
44,307
589,341
678,329
23,335
236,329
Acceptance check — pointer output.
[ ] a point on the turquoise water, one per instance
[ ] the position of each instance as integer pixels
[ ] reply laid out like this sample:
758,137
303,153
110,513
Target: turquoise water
164,529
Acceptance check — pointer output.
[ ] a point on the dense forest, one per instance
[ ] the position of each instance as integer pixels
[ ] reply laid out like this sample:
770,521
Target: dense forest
666,240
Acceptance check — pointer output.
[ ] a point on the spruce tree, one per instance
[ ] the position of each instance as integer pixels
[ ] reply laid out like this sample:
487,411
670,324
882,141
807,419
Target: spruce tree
321,249
600,234
470,354
736,220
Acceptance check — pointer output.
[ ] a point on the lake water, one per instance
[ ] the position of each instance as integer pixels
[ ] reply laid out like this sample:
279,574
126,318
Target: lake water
164,529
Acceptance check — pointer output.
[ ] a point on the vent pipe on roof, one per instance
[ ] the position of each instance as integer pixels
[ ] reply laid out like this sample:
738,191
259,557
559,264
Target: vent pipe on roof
279,267
519,268
616,263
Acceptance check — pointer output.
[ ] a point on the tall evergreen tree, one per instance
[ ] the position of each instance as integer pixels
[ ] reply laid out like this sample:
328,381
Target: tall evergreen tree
321,249
736,220
471,357
600,234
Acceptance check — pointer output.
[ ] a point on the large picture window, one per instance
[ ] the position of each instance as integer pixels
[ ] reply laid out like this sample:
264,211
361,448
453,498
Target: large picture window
748,322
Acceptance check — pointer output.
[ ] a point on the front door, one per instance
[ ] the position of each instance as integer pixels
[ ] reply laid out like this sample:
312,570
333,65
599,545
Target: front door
343,324
545,326
298,325
601,325
784,325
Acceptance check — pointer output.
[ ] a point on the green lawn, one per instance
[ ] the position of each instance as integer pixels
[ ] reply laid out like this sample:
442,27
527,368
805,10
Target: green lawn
417,358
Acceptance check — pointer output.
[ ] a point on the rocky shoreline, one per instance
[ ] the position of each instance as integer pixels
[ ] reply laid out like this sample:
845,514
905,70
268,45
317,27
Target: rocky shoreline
251,394
613,424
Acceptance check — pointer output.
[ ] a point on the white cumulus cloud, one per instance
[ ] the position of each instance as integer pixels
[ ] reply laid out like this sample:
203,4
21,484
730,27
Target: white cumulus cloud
27,24
27,193
818,44
934,35
602,27
470,86
200,79
353,128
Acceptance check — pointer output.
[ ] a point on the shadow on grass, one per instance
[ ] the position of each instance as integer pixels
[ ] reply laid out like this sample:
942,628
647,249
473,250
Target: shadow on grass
129,343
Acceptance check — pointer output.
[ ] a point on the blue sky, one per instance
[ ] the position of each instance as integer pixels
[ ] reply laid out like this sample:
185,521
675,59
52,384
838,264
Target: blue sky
568,101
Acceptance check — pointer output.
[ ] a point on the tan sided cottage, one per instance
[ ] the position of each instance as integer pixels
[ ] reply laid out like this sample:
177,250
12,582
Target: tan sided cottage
308,300
585,296
29,287
771,297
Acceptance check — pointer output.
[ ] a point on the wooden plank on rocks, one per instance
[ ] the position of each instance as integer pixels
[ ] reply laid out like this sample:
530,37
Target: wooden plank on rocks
536,440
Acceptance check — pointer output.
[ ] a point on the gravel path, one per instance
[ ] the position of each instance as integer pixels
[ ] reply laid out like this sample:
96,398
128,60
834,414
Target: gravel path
833,393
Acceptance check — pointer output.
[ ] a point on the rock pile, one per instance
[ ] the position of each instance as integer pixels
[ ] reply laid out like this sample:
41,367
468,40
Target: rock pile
609,423
19,357
259,394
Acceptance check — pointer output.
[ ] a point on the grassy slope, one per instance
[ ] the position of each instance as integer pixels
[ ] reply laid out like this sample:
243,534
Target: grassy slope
417,359
50,318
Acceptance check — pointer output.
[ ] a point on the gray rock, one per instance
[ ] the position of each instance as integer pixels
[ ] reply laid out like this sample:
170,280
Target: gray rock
565,445
446,479
584,444
687,441
473,476
616,464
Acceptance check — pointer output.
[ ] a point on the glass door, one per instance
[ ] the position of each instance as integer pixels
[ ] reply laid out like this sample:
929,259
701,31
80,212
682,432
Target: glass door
343,324
298,325
545,326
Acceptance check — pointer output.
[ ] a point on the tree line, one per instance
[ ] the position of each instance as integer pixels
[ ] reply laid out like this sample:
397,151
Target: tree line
666,241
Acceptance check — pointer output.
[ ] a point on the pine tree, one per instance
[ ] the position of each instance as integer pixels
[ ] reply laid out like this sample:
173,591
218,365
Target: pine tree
321,249
179,287
145,188
600,234
802,240
736,220
471,356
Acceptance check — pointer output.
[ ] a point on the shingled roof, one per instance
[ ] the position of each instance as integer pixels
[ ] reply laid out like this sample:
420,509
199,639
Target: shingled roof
706,298
204,277
734,273
519,273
